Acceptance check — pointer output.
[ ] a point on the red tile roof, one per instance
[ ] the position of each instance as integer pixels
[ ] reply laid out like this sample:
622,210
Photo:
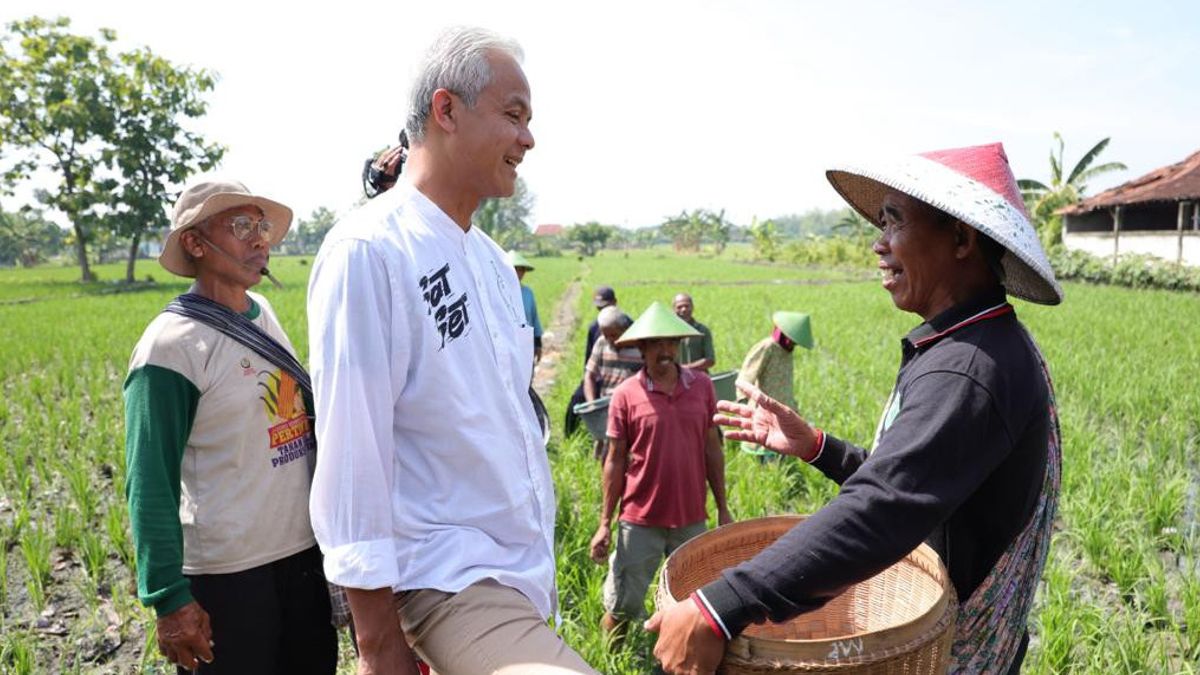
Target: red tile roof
548,230
1176,182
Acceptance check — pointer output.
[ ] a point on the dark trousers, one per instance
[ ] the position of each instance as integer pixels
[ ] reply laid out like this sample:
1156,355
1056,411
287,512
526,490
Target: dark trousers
571,420
269,619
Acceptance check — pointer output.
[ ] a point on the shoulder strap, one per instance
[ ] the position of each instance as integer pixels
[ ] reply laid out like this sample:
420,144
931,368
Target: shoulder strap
244,331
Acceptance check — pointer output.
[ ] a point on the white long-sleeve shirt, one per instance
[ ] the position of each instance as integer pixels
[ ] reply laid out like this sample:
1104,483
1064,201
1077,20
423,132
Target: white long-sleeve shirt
431,470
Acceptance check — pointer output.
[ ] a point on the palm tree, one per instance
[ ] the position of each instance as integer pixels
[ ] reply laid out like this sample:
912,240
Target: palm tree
1043,200
852,224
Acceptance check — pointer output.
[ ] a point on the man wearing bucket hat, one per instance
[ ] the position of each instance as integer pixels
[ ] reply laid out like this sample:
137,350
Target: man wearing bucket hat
768,365
966,455
433,499
522,265
663,449
220,454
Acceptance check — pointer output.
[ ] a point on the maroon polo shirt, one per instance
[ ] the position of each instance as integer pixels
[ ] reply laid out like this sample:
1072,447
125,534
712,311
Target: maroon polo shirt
665,433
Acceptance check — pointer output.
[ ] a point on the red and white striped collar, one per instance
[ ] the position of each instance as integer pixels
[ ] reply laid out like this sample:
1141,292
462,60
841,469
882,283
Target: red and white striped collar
928,333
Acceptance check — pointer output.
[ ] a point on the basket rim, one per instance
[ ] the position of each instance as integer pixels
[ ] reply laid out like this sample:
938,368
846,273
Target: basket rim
917,629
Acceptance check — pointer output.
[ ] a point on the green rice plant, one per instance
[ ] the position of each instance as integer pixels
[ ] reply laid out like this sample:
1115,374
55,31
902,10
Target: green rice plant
1128,648
35,550
3,578
67,529
1152,591
17,654
118,535
82,493
1190,616
94,555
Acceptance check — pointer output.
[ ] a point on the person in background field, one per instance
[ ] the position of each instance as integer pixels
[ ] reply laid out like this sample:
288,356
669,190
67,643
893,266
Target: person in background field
433,500
604,296
663,449
522,266
609,366
219,451
694,352
966,455
768,365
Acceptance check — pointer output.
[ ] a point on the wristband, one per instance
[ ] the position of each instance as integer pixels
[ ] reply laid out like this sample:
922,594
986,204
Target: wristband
708,618
818,445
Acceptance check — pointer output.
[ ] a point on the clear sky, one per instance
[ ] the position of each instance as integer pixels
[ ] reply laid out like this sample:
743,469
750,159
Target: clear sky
643,108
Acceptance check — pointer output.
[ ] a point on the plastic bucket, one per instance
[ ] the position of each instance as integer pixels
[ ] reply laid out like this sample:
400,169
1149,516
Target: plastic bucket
723,383
595,417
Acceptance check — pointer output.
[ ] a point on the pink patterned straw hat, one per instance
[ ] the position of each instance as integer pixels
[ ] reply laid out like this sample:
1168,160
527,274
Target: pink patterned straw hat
973,184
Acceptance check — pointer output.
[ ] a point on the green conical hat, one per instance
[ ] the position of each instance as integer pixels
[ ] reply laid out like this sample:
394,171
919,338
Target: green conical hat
517,260
656,322
796,326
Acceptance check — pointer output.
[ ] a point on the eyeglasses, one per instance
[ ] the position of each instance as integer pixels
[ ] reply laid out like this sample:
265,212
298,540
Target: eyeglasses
243,226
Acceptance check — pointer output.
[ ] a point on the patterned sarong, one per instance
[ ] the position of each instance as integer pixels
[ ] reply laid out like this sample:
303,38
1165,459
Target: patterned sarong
992,623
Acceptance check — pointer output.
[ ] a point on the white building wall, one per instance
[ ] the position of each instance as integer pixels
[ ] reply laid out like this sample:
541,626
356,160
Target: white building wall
1164,244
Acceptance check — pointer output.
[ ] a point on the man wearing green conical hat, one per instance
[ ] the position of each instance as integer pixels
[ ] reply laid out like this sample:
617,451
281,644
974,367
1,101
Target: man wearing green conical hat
522,265
663,449
768,365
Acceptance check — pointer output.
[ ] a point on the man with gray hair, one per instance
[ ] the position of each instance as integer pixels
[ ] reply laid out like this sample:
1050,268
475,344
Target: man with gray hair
432,500
607,366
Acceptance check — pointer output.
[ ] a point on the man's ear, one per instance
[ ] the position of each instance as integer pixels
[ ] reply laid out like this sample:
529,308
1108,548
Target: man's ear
191,243
444,109
966,239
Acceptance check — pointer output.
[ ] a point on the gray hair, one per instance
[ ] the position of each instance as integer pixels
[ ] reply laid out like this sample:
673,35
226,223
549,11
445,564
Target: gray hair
457,61
613,317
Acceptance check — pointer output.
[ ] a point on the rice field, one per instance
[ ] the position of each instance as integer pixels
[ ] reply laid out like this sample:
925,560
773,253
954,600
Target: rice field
1121,593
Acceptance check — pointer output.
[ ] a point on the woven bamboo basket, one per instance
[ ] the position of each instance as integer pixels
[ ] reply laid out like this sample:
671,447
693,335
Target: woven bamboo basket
900,621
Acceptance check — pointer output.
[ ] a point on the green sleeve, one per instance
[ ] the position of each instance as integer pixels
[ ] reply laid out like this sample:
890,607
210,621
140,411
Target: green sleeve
160,406
710,352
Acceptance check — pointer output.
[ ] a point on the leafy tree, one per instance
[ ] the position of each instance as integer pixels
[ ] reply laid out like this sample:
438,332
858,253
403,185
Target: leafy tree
105,127
1043,200
151,148
506,219
718,230
854,225
307,235
765,239
27,238
690,229
645,237
590,237
54,105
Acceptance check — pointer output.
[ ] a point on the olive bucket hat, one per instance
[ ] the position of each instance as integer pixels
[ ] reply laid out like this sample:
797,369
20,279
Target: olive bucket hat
202,199
796,326
656,322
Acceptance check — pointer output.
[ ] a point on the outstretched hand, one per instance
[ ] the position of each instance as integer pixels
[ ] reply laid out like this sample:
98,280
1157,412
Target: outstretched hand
768,423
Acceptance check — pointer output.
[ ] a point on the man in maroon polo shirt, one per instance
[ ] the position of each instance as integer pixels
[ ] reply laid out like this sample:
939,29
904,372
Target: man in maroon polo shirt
663,449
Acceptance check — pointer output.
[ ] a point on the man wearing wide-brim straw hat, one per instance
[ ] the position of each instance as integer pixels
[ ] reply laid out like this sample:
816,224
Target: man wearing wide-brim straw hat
220,454
663,449
966,455
768,365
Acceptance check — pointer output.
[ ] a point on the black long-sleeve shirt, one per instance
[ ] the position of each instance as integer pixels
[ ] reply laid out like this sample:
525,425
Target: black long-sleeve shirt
958,463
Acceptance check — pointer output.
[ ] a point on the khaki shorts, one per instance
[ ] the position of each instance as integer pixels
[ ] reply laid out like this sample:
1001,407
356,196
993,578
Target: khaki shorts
484,628
632,565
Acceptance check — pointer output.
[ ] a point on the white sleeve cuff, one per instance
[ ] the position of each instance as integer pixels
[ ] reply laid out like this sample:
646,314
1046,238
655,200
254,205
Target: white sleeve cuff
365,564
